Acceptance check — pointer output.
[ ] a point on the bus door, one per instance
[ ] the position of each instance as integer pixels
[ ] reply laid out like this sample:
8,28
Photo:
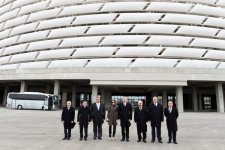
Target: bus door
13,104
45,104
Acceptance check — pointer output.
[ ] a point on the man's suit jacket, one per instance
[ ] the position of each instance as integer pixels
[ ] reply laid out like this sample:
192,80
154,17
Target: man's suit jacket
141,118
125,113
98,116
171,118
68,116
156,114
84,115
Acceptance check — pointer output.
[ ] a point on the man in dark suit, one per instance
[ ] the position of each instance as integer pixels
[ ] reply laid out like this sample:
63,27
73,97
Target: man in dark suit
171,115
125,116
156,117
141,119
68,114
98,117
83,118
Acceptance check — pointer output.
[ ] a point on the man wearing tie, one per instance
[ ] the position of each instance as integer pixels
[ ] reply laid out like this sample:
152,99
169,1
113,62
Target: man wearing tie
125,116
67,117
156,117
98,117
171,115
140,118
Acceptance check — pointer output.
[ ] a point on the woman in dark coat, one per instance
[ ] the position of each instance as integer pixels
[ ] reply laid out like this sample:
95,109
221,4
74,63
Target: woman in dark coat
171,115
141,119
112,118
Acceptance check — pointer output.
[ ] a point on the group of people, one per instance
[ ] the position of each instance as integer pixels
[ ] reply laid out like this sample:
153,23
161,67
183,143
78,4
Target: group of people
154,114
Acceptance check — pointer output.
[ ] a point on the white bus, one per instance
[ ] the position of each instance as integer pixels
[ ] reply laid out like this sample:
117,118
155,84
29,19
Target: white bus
32,100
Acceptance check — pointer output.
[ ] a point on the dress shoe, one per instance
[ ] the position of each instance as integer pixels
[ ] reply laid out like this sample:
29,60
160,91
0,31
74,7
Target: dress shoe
95,138
175,142
81,139
99,138
160,141
153,141
169,142
68,138
85,139
122,140
144,141
138,140
64,138
127,140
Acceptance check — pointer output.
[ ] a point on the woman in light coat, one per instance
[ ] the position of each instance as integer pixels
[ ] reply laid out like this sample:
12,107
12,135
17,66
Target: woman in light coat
112,118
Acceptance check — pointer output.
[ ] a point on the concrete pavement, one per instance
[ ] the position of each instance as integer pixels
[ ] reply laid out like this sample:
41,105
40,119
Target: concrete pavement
42,130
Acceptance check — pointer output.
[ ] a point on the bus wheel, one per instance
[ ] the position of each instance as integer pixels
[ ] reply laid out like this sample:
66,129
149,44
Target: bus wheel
19,107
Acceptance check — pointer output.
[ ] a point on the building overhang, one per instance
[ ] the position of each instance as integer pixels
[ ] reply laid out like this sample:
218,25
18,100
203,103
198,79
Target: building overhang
118,76
138,82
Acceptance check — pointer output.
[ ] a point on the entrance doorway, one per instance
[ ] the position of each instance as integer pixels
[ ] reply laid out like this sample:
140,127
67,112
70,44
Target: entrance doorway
172,97
209,102
83,96
131,99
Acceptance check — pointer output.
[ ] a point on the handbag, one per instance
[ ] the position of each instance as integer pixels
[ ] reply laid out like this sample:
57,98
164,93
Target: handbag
72,125
129,124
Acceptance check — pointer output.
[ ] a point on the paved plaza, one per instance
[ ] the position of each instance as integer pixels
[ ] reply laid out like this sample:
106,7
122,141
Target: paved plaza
42,130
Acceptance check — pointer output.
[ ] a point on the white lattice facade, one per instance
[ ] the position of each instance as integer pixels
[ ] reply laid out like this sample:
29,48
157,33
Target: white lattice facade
177,34
132,42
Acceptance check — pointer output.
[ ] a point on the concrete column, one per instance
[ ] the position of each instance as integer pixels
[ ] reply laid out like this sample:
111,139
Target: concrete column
74,91
23,86
219,97
103,95
56,87
195,98
6,91
64,99
94,92
200,100
179,99
108,98
164,95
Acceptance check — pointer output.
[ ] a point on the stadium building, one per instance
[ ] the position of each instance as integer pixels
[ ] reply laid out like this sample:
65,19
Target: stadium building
174,49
